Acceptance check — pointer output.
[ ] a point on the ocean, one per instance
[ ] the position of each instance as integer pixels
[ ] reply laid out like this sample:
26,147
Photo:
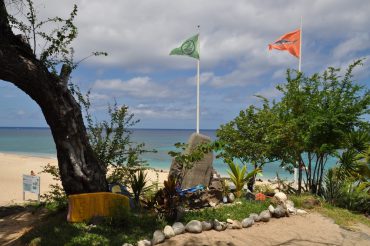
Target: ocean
39,142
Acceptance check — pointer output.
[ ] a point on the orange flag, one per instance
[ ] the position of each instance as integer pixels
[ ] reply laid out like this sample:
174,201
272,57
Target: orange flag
290,42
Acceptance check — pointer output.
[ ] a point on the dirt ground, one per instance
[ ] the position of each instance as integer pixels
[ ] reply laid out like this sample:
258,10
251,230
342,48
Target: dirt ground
311,229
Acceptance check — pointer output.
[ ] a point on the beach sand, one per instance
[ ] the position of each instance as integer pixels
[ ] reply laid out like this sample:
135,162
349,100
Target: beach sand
13,166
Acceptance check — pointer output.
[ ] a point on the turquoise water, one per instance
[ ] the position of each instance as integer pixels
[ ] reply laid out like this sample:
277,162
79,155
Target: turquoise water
39,142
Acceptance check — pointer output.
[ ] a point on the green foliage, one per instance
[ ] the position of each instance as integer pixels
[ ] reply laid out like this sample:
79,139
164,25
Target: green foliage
263,188
247,138
167,200
316,113
332,186
225,187
56,197
186,157
55,230
55,42
345,192
239,176
302,130
138,184
224,212
111,139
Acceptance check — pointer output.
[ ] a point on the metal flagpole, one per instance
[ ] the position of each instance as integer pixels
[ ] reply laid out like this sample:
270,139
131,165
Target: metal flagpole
300,48
198,65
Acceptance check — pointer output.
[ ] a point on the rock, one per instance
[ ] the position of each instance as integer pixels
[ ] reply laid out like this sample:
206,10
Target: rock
213,204
271,209
194,226
280,196
231,197
168,231
290,207
247,222
178,228
158,237
232,186
253,216
279,211
207,225
230,221
144,243
265,215
127,244
301,212
201,171
219,226
235,225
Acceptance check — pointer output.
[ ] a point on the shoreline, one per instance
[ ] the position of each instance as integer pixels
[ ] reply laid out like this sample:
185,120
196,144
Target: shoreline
15,165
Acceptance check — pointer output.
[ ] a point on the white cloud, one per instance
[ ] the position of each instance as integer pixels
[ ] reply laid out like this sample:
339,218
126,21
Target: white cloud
141,87
163,112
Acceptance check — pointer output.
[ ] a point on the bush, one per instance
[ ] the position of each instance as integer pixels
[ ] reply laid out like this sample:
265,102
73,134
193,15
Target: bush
346,193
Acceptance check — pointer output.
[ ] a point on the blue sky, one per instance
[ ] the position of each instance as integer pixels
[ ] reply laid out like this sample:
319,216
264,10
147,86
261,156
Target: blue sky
235,62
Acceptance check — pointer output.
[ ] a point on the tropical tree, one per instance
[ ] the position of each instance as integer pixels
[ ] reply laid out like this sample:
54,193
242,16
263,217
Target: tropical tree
35,73
316,112
249,138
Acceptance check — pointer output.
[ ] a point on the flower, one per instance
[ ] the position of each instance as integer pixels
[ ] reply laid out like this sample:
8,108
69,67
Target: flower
260,197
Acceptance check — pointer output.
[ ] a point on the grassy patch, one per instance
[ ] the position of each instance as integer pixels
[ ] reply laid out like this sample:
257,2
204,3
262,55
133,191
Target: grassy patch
54,230
342,217
231,211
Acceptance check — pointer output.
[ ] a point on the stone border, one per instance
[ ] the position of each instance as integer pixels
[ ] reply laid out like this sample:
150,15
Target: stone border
284,208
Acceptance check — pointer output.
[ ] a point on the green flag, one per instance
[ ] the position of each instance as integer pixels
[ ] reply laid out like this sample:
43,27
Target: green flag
188,48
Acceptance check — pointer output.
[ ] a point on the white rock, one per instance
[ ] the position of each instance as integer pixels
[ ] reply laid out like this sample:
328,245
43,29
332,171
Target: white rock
144,243
178,228
207,225
301,212
271,209
212,204
229,221
158,237
247,222
168,231
280,196
253,216
127,244
194,226
265,215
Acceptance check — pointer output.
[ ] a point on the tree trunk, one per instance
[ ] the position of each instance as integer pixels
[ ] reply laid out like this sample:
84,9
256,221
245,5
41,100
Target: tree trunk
80,170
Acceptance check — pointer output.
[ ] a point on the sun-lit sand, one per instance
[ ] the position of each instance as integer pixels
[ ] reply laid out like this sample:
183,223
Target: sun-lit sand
13,166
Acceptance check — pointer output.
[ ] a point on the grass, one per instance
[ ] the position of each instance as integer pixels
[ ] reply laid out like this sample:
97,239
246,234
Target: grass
235,211
343,217
55,230
128,228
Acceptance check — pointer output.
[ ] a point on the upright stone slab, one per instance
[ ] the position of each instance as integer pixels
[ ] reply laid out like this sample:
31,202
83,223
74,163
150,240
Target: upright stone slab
201,171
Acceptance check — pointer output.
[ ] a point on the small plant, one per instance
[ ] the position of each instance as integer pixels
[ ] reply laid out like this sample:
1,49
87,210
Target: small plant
239,176
264,188
167,199
138,183
56,197
225,187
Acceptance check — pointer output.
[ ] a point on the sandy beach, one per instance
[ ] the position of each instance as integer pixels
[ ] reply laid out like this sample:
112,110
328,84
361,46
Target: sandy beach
13,166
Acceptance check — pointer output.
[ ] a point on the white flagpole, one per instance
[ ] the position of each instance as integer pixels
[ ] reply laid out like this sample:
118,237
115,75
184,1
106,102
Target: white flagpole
198,65
300,48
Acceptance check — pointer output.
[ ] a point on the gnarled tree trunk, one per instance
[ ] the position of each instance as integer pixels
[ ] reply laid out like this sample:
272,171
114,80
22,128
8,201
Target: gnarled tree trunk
80,170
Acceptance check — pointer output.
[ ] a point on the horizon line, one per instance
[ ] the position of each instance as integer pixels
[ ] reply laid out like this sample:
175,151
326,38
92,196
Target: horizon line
139,128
